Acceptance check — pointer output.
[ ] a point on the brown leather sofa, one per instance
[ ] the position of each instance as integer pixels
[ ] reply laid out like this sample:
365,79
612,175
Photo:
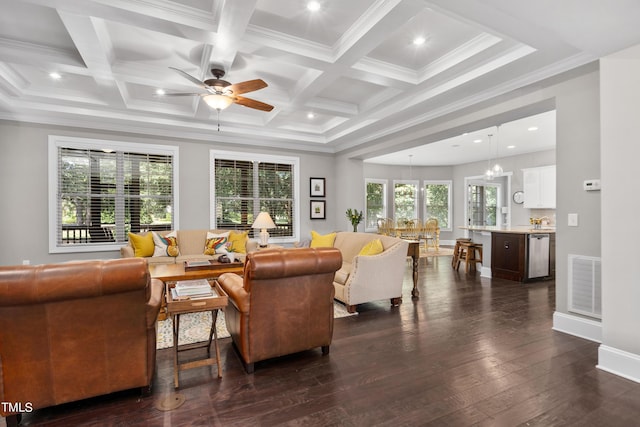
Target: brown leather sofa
283,304
75,330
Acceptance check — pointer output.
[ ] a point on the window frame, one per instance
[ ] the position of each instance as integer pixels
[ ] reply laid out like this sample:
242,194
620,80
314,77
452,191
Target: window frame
416,207
58,141
449,183
385,185
254,157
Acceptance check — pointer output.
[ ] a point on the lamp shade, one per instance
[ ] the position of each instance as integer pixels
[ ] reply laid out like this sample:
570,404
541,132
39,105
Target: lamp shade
219,102
263,221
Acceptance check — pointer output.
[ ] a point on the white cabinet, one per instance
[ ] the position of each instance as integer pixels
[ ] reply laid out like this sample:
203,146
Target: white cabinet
539,185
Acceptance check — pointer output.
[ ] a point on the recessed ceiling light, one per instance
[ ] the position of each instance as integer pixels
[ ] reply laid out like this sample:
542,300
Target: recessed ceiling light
419,41
55,76
533,128
310,115
477,141
466,133
511,146
313,6
160,92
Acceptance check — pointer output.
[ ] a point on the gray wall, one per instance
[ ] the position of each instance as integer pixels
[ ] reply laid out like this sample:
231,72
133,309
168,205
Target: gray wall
24,188
620,206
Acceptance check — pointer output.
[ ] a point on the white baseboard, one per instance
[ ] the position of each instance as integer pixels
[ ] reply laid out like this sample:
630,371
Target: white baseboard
577,326
485,272
619,362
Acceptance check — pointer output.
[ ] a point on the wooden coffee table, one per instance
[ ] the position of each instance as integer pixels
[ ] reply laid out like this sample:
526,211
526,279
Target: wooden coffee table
174,272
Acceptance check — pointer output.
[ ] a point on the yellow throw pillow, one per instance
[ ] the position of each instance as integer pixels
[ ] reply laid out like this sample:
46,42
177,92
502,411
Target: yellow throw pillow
374,247
143,245
238,241
320,241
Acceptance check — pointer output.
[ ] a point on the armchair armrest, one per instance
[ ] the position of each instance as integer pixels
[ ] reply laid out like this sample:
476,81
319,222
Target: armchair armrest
377,276
233,285
154,302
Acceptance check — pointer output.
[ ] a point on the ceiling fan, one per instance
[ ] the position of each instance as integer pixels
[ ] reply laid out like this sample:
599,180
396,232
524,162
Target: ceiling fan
220,93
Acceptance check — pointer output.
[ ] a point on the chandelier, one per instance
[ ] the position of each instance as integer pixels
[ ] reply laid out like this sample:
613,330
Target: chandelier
496,170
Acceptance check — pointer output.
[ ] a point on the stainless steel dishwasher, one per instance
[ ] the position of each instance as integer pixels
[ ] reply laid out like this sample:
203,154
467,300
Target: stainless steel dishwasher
538,258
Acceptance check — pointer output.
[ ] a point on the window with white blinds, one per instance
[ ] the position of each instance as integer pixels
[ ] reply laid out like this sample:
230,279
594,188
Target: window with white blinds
243,185
101,190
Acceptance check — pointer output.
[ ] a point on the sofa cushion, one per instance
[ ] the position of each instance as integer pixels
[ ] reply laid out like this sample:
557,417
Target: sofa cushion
342,275
374,247
191,242
239,241
322,241
142,244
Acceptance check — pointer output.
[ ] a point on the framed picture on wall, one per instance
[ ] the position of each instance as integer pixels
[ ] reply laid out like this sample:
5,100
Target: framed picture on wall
316,188
317,209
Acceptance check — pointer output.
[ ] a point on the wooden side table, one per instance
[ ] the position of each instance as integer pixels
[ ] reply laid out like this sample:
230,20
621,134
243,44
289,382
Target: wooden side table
183,306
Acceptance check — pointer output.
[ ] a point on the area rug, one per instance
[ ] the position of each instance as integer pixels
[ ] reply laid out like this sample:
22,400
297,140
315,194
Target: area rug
441,251
194,327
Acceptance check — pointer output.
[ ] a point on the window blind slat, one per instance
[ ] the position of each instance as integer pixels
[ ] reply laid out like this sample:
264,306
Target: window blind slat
103,194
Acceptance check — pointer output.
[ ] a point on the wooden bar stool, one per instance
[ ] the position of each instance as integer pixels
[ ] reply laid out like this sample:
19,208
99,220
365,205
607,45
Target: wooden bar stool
470,253
455,260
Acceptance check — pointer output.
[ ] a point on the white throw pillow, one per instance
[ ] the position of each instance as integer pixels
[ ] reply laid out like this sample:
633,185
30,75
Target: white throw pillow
216,242
161,244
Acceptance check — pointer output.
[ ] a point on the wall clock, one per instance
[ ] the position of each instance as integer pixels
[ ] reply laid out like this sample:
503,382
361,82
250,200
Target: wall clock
518,197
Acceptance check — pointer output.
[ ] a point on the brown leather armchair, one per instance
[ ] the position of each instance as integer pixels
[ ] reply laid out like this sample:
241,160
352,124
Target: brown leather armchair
75,330
283,304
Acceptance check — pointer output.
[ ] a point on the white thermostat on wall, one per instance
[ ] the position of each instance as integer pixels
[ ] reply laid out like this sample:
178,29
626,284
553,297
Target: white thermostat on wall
592,185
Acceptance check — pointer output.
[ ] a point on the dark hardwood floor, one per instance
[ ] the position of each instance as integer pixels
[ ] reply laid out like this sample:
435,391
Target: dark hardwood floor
470,351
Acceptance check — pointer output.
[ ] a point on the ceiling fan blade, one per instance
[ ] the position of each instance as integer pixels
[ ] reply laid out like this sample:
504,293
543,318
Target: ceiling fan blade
248,86
190,78
252,103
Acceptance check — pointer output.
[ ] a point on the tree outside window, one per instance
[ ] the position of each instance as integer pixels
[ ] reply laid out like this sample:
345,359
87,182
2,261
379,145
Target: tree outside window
246,185
405,200
437,202
483,205
105,189
376,208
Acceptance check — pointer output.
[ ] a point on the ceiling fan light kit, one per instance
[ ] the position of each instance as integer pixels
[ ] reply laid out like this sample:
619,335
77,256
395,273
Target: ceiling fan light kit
218,102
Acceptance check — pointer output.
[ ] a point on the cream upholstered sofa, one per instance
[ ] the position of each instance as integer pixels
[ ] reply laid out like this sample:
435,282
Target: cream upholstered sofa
373,277
191,245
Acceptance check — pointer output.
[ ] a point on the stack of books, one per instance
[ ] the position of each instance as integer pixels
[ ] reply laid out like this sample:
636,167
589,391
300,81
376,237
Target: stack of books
191,289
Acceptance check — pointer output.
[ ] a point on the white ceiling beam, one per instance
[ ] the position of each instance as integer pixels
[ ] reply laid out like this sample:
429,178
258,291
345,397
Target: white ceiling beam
366,34
19,52
233,24
92,41
202,29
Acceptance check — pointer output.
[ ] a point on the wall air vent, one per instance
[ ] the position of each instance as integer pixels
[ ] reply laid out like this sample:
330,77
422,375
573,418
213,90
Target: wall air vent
585,287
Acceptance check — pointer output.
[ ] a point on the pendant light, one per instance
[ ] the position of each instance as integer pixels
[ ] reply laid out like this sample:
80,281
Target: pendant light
497,169
489,173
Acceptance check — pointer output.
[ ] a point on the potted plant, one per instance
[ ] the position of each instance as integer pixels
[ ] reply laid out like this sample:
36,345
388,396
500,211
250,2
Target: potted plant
354,217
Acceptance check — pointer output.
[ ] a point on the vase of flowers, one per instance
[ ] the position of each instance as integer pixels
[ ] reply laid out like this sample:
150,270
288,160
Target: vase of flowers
354,217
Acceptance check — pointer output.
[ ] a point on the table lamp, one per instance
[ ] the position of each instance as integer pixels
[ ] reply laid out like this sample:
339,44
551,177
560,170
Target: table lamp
263,221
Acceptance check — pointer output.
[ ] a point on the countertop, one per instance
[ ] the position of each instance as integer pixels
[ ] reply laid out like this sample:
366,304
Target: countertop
522,229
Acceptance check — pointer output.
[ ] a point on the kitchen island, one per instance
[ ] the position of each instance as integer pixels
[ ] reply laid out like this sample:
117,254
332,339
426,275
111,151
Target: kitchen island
521,253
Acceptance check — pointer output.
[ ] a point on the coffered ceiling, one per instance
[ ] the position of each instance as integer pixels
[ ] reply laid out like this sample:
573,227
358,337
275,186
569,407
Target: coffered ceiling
339,78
